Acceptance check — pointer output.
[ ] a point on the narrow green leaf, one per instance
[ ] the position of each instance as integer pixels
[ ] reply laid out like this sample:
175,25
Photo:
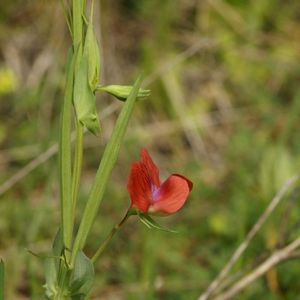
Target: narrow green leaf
107,163
77,166
150,223
67,15
83,275
121,92
2,279
65,156
93,52
78,11
145,222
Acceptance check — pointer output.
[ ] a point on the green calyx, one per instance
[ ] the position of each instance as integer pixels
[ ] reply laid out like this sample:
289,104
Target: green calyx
122,92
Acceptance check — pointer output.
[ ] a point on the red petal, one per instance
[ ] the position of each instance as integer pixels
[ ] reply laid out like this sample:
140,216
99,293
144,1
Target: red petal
172,194
143,177
138,187
150,167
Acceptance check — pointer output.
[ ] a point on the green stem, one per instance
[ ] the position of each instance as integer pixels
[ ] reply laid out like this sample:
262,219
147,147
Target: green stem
67,214
107,163
109,237
77,22
65,157
69,187
77,13
77,164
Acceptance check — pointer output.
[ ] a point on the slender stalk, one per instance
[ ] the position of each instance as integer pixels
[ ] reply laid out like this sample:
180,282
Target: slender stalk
65,157
77,22
109,237
77,14
67,211
67,218
108,160
77,164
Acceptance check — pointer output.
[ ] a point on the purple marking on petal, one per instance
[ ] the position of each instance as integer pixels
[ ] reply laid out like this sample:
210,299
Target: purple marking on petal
155,192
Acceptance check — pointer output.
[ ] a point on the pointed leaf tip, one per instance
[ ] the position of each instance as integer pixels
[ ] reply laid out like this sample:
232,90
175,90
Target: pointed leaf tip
121,92
150,223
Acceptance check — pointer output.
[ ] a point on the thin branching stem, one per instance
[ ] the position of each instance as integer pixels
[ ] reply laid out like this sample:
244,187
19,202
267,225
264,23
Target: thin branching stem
114,230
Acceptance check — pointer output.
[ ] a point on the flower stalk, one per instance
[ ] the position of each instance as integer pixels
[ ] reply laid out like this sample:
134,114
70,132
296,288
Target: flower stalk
112,233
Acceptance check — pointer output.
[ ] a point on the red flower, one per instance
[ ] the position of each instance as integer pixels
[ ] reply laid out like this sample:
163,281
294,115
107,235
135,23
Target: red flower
149,195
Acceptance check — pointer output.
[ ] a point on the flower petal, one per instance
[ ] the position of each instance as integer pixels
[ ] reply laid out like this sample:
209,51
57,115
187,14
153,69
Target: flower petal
150,168
139,187
172,195
143,180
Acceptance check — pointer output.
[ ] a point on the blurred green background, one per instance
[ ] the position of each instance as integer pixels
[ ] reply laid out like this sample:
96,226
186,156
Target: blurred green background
224,111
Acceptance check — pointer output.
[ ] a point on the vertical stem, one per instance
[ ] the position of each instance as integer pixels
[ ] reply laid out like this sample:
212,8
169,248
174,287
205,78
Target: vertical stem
109,237
78,11
69,185
107,163
69,188
77,164
65,157
77,23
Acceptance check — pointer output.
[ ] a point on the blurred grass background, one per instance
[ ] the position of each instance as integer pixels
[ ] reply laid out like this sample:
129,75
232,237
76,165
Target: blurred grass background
224,111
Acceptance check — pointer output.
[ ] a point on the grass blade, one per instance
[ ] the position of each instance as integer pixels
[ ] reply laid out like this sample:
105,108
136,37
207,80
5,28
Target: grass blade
65,157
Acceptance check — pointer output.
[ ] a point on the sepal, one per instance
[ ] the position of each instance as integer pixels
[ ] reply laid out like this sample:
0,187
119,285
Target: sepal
122,92
150,223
